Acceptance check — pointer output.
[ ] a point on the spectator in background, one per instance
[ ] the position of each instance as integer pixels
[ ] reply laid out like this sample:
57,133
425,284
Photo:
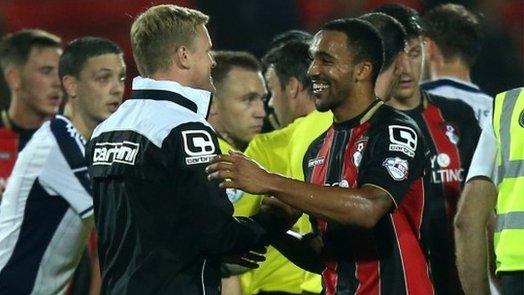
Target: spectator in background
451,132
29,60
454,41
237,111
47,210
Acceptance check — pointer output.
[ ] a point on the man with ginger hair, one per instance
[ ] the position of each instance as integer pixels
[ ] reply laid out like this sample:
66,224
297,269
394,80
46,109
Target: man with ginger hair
162,225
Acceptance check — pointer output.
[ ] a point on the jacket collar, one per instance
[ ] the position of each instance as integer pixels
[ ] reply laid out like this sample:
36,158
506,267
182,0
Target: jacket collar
196,100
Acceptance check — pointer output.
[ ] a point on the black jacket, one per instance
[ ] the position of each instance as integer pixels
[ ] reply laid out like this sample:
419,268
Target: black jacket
161,223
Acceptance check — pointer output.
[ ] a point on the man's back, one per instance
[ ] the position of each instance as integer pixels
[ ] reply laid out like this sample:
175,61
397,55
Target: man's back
159,219
480,102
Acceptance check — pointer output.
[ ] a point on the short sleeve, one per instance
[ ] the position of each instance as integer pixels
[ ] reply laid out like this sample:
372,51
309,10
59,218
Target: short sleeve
483,162
393,160
73,185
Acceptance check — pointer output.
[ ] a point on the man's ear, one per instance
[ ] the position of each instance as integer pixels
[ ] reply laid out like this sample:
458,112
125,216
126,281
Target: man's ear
432,50
293,87
182,57
70,86
12,78
363,71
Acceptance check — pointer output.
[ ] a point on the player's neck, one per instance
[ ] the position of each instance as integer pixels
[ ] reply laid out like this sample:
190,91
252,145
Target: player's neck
455,69
180,77
304,108
235,144
357,102
82,123
23,116
406,104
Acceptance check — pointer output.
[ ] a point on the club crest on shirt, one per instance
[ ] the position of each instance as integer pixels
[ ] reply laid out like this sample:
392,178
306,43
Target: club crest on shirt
357,155
451,133
521,119
397,168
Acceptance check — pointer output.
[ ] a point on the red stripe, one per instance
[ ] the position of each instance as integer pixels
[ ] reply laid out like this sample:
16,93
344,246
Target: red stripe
319,173
367,270
349,169
368,276
413,260
412,205
437,128
330,277
318,176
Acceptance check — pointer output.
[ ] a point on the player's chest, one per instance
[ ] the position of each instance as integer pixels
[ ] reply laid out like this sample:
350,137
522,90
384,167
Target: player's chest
338,157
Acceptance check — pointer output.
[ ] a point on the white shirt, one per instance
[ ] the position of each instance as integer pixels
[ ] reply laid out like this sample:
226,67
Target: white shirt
484,159
451,87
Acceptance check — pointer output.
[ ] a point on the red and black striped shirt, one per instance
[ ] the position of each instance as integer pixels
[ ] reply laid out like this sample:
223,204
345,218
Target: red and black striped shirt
451,132
381,147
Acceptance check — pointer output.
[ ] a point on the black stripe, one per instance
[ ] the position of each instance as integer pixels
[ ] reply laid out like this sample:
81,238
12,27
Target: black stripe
337,153
446,82
392,279
70,150
85,211
165,95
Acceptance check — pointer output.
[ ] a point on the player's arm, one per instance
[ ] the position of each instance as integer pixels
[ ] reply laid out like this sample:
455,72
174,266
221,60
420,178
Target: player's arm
360,206
384,177
304,251
474,211
205,206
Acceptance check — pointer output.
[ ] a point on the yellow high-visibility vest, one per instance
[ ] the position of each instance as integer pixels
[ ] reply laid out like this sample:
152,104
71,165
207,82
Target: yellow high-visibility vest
508,125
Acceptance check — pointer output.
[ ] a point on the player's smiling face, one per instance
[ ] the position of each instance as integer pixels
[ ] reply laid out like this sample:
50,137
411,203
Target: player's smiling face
331,69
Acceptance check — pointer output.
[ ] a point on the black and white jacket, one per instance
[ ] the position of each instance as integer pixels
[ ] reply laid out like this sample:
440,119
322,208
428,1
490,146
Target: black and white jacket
161,223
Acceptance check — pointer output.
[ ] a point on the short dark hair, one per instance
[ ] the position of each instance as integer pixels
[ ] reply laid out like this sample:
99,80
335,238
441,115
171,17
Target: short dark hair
392,33
288,36
408,17
78,51
15,48
456,31
364,41
290,60
227,60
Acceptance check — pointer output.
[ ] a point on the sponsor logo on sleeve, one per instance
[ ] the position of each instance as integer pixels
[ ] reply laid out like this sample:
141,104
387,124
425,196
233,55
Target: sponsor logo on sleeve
397,168
107,153
199,146
403,139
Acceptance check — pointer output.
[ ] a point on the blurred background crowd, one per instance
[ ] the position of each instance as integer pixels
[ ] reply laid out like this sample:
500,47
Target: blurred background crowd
250,25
